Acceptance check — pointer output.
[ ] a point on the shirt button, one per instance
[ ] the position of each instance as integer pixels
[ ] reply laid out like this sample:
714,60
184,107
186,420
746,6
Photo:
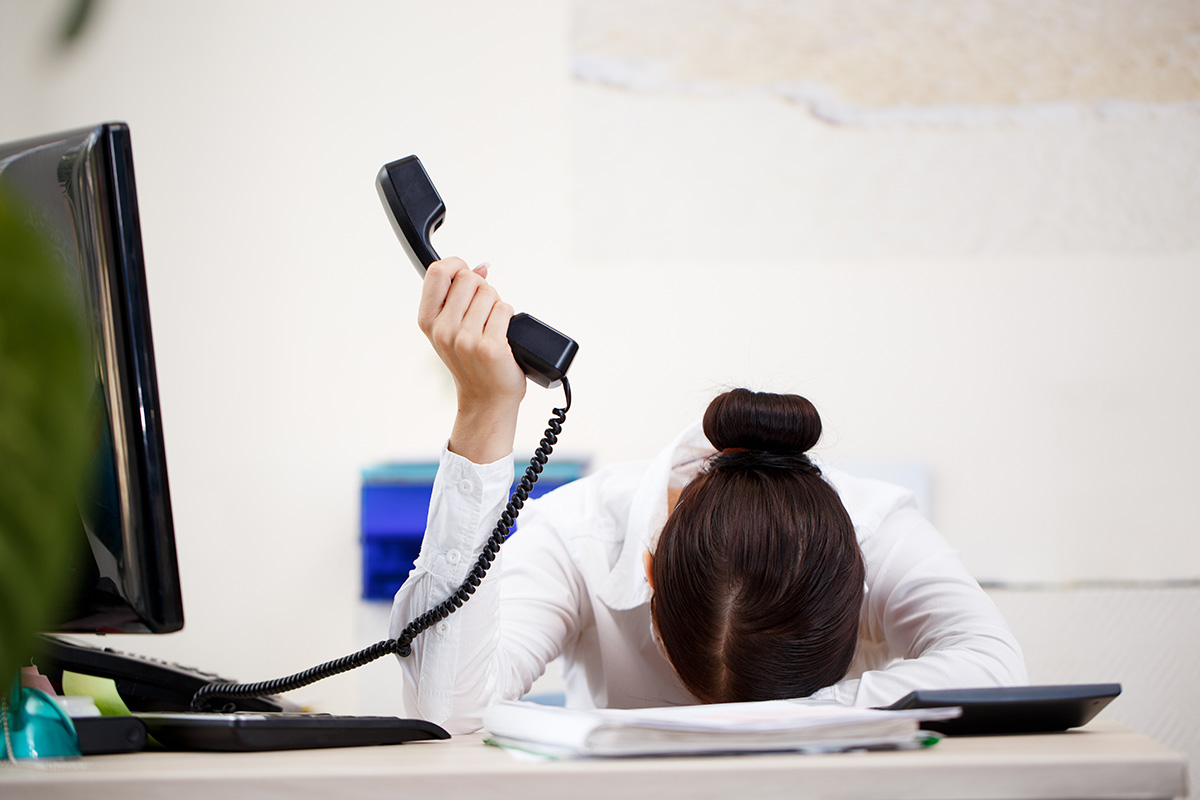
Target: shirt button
465,486
453,556
441,628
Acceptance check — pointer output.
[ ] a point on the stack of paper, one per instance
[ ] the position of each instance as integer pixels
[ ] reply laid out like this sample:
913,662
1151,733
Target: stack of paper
768,726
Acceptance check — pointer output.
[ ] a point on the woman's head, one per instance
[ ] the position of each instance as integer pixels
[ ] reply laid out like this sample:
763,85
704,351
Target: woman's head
758,579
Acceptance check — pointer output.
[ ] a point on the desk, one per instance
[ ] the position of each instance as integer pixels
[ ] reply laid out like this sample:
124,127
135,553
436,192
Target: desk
1103,760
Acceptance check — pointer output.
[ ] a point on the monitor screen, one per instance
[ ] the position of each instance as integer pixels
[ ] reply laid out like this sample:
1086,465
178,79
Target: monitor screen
78,189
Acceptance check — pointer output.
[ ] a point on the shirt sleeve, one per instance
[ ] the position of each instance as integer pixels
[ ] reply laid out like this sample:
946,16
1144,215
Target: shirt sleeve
497,643
945,630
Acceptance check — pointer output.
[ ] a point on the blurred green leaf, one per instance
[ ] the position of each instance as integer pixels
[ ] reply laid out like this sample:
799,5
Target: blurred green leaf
78,15
43,434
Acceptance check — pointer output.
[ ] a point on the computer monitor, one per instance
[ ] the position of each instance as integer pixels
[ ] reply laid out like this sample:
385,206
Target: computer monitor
78,188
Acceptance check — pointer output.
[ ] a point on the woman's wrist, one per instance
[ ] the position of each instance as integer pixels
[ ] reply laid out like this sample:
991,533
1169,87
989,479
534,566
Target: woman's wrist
484,432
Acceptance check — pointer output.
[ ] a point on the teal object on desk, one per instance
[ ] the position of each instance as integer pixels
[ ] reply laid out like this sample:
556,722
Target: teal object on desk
36,727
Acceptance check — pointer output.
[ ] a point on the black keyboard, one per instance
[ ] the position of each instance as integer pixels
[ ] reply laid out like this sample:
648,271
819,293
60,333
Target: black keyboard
281,730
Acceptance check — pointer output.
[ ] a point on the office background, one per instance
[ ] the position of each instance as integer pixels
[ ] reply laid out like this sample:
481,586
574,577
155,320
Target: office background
969,232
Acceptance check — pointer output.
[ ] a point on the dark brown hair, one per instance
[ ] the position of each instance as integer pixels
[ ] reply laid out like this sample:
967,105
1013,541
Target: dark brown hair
758,578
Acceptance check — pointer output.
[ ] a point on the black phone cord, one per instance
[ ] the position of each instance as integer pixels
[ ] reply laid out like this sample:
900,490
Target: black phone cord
203,699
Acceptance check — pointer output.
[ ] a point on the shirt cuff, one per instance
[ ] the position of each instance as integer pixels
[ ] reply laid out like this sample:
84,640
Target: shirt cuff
464,506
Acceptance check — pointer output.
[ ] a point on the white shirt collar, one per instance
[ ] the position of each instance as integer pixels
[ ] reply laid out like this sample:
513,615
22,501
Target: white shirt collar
626,586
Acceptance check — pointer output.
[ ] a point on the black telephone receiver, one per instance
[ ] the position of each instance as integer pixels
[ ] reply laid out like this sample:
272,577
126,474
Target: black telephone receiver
416,211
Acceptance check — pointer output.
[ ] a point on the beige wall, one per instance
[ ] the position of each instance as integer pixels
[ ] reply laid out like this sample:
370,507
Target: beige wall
972,236
970,231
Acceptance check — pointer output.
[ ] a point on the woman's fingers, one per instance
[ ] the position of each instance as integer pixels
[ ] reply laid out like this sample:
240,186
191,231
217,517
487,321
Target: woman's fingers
436,287
463,317
444,307
463,288
479,310
496,328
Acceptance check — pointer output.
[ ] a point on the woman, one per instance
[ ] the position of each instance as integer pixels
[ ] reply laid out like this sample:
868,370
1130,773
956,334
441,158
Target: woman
730,567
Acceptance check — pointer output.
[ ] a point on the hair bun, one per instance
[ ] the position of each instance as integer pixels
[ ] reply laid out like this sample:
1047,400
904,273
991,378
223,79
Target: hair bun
775,423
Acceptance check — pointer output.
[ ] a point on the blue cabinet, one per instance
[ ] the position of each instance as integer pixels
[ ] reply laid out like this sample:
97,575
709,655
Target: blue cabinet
395,505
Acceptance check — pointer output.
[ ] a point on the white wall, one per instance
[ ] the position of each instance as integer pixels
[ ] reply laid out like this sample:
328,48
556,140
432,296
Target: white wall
993,273
1142,637
282,305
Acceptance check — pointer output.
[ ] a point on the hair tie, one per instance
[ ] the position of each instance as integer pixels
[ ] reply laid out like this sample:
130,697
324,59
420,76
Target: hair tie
806,464
766,458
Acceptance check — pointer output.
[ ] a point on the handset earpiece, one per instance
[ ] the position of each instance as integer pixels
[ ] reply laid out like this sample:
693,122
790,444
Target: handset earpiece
416,210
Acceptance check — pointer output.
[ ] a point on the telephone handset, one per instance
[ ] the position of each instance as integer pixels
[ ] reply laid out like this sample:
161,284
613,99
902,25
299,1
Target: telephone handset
545,354
416,211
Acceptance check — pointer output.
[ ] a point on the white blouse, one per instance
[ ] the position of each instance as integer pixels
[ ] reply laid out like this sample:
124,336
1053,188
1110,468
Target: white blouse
570,583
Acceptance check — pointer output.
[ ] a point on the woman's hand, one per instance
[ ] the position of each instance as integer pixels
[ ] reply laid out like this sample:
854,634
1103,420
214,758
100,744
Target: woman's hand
467,324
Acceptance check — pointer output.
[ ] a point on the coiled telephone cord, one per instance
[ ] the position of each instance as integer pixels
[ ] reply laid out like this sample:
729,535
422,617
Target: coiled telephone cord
203,699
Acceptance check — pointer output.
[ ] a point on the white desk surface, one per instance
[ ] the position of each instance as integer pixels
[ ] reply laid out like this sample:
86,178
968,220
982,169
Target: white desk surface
1103,760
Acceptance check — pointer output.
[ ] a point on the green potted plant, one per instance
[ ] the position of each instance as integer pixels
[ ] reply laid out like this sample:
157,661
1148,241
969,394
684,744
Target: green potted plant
44,389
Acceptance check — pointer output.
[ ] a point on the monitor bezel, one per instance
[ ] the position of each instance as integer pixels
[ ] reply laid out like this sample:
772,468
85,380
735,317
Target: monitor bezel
141,586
